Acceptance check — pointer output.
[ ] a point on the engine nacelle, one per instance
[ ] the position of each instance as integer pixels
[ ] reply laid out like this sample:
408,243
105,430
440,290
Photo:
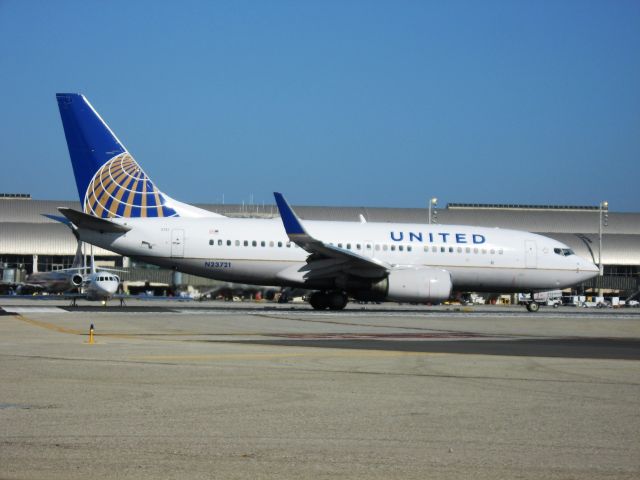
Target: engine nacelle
410,285
76,280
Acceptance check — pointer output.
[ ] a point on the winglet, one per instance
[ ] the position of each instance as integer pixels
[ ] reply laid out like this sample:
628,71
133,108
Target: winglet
318,249
290,220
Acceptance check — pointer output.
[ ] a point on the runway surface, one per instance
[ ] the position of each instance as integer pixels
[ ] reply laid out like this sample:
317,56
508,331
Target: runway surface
217,390
410,339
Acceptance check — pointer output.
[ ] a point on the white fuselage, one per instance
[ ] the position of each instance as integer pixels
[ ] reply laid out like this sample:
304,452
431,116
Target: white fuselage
100,286
257,251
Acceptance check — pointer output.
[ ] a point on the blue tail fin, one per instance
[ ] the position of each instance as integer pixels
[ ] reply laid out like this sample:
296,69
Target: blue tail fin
91,143
110,182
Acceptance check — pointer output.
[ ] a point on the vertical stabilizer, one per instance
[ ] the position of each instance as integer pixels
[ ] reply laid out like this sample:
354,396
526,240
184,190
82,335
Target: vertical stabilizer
110,182
90,141
93,263
78,259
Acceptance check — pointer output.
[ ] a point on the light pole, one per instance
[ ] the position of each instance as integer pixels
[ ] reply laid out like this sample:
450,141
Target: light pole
604,221
432,203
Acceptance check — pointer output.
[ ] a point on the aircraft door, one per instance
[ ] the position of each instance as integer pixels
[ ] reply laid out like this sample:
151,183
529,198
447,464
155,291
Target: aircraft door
530,254
177,243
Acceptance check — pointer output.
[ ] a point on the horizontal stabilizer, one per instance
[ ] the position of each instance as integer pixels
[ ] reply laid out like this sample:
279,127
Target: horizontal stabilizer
89,222
57,218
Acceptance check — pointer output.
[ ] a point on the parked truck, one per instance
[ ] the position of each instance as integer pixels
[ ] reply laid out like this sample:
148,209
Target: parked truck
551,298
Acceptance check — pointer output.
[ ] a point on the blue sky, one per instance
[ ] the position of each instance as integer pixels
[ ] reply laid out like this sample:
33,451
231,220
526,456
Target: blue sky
334,102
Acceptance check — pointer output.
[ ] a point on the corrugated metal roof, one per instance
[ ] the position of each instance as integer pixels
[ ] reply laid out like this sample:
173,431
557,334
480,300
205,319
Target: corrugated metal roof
560,221
40,239
23,229
31,211
546,221
616,249
530,220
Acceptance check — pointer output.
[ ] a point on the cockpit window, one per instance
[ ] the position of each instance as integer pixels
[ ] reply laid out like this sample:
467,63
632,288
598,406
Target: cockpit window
564,252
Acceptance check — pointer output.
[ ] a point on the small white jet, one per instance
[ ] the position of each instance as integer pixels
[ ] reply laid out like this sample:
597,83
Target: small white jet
97,285
78,282
123,211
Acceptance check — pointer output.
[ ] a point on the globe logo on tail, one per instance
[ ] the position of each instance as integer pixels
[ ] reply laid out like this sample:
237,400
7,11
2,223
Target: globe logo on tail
121,189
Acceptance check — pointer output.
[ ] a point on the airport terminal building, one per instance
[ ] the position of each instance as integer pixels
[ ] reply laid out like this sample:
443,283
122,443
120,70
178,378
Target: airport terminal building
29,241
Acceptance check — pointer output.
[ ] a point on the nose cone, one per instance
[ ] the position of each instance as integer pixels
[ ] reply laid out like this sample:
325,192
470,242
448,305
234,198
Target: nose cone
111,287
587,269
107,287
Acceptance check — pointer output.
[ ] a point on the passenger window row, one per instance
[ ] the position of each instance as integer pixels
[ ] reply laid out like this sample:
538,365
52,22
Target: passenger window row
251,243
369,247
360,247
474,250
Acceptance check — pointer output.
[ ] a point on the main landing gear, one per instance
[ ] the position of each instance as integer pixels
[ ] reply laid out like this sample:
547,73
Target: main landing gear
334,300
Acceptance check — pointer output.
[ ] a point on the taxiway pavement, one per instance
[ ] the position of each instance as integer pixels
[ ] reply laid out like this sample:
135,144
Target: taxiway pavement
256,391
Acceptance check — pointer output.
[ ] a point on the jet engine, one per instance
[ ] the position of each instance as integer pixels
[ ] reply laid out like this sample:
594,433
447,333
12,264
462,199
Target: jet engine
76,280
422,284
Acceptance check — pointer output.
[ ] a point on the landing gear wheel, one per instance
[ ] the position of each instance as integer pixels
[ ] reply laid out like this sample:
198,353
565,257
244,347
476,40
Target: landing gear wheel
319,301
337,300
533,307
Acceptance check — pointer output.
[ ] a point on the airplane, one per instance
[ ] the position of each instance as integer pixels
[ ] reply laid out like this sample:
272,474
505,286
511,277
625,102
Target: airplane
96,285
77,282
124,211
92,284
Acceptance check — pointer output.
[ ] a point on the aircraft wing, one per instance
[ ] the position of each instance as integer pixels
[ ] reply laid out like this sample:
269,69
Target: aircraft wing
327,260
